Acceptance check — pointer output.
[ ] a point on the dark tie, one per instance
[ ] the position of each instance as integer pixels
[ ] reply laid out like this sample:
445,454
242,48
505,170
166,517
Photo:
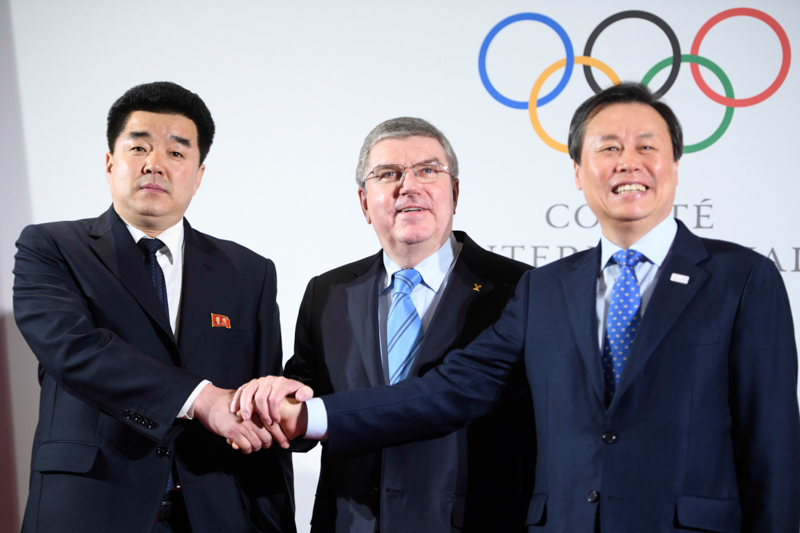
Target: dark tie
403,327
622,321
149,247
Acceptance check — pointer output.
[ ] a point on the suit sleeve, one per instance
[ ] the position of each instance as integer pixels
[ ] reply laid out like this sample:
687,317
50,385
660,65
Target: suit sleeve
303,364
268,479
91,363
766,424
468,384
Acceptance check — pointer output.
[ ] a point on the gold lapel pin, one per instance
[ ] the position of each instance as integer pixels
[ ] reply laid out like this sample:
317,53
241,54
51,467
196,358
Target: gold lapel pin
477,288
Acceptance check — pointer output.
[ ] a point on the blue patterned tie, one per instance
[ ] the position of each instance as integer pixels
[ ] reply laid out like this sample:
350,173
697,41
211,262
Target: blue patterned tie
404,327
149,247
622,321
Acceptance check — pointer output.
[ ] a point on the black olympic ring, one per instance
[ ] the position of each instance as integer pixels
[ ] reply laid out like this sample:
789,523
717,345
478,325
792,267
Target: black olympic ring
673,41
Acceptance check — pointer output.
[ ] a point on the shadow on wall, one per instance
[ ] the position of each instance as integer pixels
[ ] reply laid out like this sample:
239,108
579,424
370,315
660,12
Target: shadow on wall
9,519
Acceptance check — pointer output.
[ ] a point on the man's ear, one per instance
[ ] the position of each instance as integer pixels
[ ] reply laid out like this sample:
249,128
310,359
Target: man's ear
455,194
109,166
577,168
362,199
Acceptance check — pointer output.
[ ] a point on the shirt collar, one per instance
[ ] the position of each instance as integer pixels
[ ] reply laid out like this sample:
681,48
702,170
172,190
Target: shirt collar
654,245
171,237
433,268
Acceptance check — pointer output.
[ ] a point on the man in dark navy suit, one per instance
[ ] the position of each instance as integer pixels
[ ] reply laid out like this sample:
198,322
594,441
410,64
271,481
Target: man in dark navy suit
141,325
663,366
408,188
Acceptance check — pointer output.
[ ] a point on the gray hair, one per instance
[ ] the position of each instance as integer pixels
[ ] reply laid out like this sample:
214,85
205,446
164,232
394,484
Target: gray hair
402,128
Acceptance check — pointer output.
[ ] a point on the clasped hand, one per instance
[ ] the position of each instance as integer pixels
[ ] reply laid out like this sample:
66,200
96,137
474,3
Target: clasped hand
275,403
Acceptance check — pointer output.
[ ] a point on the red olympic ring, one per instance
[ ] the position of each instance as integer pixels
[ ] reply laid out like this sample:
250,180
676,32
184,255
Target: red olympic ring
753,100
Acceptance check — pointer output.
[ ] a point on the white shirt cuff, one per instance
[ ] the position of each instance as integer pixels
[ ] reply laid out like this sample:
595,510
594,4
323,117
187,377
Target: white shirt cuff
187,411
317,420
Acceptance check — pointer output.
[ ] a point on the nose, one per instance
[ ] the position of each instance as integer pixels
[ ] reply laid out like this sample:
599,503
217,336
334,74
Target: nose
154,163
629,161
409,182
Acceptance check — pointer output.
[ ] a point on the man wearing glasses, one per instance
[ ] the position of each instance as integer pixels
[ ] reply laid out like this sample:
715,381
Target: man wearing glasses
396,314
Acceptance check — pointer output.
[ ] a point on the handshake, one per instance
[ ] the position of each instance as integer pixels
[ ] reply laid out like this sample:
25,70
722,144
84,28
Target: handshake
262,411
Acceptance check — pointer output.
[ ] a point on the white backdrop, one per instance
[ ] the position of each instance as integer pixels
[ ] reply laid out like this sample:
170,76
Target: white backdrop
295,87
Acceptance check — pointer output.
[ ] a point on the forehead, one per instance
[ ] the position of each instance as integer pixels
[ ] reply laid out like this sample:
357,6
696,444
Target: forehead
408,151
160,125
632,118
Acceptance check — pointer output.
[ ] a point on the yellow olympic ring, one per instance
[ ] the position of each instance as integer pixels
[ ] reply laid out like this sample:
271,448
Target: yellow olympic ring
579,60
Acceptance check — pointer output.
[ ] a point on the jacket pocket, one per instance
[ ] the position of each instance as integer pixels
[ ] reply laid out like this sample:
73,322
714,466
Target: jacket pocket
223,336
710,514
72,457
536,510
687,339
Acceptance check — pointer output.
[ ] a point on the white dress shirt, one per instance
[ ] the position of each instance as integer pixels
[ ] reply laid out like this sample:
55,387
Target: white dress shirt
654,246
435,271
170,259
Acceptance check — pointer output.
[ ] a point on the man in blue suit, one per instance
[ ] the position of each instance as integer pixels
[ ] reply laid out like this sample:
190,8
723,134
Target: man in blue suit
663,366
141,324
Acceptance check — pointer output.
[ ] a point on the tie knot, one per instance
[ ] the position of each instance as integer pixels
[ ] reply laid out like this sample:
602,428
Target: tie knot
627,257
406,280
150,246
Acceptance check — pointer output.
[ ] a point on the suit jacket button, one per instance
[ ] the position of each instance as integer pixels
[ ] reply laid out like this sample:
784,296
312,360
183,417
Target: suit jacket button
609,437
594,496
161,451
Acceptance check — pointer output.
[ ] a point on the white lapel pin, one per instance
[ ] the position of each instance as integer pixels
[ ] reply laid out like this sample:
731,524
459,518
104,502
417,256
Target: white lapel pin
679,278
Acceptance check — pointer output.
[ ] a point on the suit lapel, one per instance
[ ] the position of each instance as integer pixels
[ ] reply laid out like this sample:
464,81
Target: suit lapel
113,244
447,325
580,290
362,308
667,303
201,275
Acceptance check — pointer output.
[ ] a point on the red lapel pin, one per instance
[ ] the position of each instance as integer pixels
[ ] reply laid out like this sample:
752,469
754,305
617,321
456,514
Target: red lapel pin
220,321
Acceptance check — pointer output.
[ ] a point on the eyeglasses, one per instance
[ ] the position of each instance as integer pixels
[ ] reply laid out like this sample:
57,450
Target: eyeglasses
394,174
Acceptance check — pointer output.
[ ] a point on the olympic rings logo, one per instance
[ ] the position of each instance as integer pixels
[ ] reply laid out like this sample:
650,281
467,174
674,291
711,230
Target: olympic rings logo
694,59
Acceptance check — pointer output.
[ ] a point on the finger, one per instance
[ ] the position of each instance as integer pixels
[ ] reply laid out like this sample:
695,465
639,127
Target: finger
232,444
283,388
304,393
250,433
260,401
265,437
246,398
278,436
235,400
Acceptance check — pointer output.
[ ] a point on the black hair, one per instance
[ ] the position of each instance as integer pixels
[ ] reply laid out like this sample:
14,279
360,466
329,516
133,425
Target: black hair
624,93
162,97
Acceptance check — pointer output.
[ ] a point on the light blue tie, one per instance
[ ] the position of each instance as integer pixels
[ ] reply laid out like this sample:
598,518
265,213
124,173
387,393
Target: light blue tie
404,327
622,321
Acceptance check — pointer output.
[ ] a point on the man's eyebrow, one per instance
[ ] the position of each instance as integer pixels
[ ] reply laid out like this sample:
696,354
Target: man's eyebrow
646,135
138,134
186,142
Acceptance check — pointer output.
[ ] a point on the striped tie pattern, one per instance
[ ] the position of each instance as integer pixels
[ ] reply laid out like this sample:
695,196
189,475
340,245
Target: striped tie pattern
622,321
404,327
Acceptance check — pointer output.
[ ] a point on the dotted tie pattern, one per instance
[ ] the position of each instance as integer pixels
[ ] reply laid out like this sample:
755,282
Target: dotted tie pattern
404,327
149,247
622,321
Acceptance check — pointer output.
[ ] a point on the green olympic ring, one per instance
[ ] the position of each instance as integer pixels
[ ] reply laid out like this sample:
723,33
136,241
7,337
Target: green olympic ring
726,84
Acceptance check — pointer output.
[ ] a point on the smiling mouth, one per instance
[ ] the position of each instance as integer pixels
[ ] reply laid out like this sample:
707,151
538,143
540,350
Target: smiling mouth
629,188
410,209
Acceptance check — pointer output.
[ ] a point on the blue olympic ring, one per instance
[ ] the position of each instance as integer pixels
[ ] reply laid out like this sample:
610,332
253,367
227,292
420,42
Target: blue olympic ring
516,104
